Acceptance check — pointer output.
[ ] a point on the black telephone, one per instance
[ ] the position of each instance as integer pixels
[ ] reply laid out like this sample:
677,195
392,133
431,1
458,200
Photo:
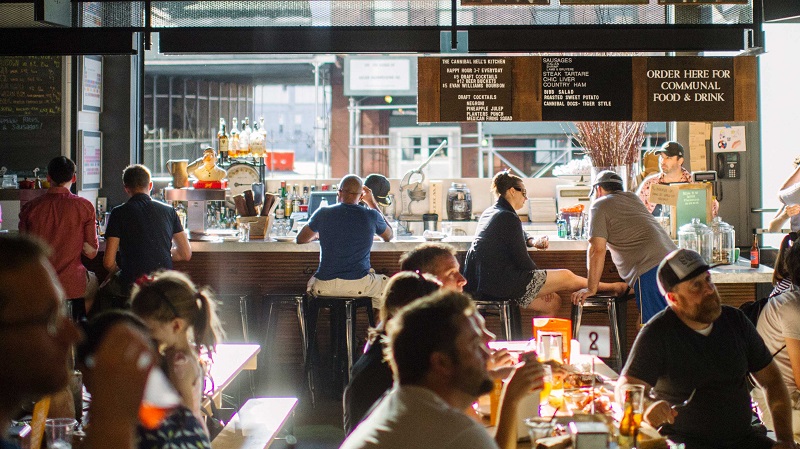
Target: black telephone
728,165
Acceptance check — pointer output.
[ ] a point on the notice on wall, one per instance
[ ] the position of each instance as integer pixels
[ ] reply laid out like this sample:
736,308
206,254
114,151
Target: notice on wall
476,89
586,88
690,88
699,133
725,139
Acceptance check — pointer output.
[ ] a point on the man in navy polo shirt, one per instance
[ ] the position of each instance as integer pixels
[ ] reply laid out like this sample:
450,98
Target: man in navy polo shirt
142,231
345,232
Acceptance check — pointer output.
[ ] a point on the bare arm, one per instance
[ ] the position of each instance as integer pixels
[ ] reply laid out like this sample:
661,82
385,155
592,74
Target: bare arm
89,250
305,235
777,400
525,377
793,349
656,413
780,218
793,179
110,256
369,199
182,249
595,261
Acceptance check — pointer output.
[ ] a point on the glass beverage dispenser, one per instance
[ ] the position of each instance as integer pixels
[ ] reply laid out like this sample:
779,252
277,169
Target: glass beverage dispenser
724,242
697,237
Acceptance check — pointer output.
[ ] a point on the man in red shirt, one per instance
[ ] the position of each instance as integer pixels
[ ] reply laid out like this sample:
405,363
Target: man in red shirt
67,223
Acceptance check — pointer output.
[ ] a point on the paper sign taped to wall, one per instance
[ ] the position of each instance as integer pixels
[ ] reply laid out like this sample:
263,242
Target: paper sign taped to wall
725,139
664,194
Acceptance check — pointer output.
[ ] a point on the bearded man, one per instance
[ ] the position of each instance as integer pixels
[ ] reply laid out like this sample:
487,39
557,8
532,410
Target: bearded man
700,350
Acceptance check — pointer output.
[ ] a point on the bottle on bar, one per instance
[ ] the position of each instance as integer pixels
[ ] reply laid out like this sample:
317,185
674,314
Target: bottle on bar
244,138
233,141
222,141
282,192
296,198
257,143
289,203
755,253
305,195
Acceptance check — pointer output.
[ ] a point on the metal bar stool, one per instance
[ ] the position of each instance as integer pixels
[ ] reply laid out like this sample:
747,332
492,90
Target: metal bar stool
343,321
298,301
509,316
617,317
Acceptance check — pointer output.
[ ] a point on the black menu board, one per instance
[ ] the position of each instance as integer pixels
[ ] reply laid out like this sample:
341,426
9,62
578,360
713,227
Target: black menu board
476,89
690,88
30,110
586,88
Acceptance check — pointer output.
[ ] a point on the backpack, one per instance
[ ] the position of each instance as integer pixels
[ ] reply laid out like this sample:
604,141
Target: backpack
752,309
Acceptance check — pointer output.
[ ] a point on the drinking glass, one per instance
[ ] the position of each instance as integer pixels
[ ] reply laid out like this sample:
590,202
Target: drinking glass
547,383
58,432
538,428
159,399
576,227
244,232
632,407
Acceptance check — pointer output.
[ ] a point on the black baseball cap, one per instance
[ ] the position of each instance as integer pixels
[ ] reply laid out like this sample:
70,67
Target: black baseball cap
679,265
604,177
380,187
670,149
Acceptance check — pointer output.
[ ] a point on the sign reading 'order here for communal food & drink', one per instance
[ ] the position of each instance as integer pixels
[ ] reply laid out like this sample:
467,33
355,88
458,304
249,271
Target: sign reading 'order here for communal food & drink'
582,88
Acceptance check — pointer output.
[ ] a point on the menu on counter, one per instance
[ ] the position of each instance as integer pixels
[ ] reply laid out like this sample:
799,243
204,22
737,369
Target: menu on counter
476,89
586,88
690,88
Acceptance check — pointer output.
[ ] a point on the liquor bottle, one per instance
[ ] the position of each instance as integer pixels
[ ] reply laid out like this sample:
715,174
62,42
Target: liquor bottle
233,141
244,138
222,141
280,212
287,202
296,198
257,142
755,253
305,195
282,192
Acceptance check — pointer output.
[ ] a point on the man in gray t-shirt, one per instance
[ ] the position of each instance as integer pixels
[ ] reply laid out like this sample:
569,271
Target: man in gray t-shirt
620,222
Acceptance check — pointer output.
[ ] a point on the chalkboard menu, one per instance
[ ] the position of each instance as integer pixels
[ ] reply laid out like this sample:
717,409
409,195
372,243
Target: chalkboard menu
30,111
586,88
690,89
476,89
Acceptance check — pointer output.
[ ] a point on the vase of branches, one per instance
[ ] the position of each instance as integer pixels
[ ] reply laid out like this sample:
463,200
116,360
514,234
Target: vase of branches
612,146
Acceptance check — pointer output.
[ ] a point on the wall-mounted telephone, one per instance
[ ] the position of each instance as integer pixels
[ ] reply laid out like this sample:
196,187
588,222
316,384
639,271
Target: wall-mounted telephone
728,165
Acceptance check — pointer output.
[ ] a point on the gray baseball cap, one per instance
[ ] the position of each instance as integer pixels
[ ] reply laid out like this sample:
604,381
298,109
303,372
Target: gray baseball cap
604,177
679,265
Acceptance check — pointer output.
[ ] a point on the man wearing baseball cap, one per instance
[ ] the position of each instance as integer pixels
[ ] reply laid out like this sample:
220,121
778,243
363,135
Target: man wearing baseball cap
670,161
701,351
620,223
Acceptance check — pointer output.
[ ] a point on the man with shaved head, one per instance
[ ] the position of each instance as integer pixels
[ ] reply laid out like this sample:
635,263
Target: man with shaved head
345,232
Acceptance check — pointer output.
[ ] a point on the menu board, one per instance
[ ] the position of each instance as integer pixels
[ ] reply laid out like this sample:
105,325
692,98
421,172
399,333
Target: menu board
586,88
690,88
30,110
476,89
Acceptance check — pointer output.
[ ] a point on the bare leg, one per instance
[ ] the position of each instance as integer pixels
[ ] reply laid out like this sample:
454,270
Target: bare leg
546,305
566,280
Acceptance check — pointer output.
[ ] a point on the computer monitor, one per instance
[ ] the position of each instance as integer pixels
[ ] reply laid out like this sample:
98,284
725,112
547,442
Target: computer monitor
316,197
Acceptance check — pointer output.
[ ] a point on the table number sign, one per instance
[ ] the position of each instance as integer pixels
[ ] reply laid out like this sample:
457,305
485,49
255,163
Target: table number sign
595,340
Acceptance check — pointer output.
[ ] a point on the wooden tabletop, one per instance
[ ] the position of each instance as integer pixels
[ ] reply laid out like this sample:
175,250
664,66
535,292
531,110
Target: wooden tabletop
229,361
256,424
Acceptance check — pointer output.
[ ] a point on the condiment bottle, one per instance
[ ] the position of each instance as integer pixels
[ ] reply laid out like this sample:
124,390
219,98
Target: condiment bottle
755,253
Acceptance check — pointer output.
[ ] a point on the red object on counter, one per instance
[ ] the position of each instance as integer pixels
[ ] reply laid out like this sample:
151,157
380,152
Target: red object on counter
210,184
279,160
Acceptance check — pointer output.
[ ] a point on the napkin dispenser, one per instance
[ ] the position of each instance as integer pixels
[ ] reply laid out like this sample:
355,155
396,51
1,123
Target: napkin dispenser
588,435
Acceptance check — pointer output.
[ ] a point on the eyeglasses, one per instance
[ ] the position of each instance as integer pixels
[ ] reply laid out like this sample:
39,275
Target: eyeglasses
521,190
53,320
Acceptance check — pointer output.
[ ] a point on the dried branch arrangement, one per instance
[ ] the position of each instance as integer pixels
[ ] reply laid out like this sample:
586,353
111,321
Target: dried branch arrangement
610,143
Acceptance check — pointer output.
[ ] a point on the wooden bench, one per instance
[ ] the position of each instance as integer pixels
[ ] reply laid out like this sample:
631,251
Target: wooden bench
256,424
229,361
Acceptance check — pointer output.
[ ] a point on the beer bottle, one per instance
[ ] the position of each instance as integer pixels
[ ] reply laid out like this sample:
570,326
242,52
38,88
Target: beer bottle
755,253
628,426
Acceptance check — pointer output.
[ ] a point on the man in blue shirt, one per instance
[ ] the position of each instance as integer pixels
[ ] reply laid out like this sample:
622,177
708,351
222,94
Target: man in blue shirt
345,231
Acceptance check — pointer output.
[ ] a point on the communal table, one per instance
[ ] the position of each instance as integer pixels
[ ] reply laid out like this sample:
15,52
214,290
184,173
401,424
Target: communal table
229,361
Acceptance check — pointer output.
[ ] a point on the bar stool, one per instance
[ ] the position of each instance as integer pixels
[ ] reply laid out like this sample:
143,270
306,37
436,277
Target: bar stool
505,309
299,302
617,317
342,329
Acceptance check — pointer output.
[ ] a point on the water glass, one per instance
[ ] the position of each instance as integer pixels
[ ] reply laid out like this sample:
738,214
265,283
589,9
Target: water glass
244,232
576,227
58,432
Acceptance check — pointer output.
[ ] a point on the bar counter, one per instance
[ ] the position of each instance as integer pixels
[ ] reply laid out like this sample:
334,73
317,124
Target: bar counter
258,269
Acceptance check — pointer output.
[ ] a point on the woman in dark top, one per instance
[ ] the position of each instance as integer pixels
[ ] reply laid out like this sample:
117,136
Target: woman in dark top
371,375
498,266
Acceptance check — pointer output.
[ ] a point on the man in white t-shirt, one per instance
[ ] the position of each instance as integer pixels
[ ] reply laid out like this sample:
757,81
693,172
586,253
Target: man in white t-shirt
438,353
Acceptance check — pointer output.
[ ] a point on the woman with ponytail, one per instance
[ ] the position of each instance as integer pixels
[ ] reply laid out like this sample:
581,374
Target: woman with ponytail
498,265
183,321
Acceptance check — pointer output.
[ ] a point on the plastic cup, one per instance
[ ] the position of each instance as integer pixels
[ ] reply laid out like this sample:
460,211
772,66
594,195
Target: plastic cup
58,432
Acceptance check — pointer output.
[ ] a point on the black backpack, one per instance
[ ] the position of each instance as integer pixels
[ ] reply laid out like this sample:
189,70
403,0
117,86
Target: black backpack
753,309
